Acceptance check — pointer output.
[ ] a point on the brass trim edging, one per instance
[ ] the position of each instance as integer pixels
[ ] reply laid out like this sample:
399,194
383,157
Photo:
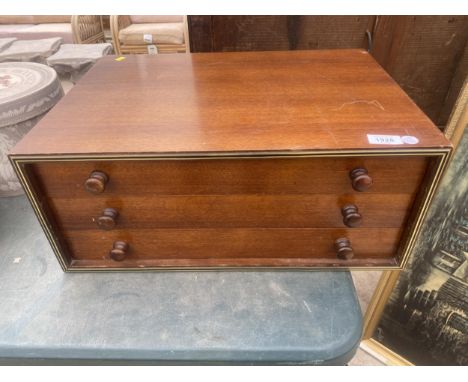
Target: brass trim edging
459,116
424,207
226,269
377,303
18,162
385,355
224,155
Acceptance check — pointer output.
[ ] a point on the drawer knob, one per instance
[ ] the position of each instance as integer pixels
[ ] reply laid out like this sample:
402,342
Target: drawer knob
360,179
96,183
108,219
343,249
119,252
351,217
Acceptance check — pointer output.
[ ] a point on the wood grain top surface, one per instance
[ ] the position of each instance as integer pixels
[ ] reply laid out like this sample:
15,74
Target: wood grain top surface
239,103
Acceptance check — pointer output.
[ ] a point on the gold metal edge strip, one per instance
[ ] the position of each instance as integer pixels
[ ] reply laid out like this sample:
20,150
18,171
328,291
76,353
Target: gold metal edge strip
247,155
423,209
18,159
377,303
390,357
227,269
459,116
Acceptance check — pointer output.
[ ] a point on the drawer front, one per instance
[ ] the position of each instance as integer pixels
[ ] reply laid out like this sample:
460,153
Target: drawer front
391,175
234,243
232,211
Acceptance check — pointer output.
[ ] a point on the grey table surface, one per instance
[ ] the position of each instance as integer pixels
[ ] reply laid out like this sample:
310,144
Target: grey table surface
191,317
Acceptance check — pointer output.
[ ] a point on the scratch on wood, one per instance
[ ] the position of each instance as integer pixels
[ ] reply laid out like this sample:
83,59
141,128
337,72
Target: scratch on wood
332,136
450,40
374,102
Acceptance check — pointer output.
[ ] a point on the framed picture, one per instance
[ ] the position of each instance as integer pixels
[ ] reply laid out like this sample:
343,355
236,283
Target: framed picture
420,315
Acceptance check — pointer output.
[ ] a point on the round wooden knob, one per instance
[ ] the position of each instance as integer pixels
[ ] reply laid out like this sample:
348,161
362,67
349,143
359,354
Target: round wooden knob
108,219
360,179
96,183
351,217
343,249
119,252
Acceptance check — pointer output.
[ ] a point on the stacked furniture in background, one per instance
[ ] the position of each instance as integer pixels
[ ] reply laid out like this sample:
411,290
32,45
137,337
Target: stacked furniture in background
138,34
6,42
31,50
72,29
72,61
28,91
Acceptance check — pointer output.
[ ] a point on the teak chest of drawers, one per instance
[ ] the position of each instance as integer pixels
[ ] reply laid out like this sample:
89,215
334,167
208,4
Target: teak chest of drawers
270,159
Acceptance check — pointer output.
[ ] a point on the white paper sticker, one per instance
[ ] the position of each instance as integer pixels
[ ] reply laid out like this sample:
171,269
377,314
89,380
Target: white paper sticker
410,140
152,49
148,38
384,139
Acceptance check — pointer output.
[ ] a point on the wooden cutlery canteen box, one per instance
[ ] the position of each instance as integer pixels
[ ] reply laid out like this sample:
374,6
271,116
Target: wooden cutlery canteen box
298,159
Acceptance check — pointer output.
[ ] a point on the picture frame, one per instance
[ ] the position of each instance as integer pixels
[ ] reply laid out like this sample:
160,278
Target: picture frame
419,315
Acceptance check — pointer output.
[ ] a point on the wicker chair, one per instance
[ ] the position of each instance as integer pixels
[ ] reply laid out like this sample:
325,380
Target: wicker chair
133,34
87,29
72,29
